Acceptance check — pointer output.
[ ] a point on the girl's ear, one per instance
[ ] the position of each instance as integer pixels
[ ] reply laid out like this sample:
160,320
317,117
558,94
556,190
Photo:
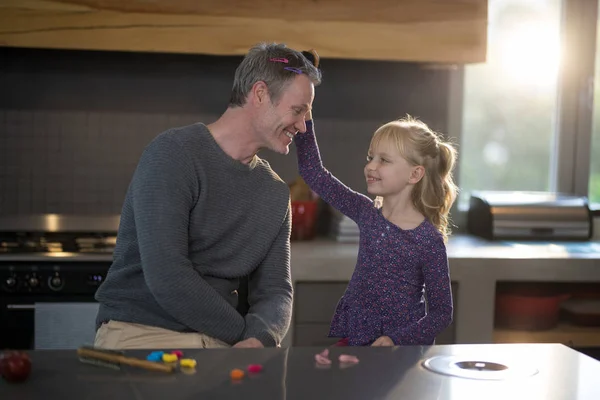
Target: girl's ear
416,174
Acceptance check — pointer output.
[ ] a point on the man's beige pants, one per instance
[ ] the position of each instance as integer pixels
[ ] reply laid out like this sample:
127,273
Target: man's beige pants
124,336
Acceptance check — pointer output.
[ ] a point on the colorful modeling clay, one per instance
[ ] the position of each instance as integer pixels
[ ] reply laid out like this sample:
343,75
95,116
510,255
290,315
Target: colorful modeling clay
178,353
345,358
236,374
187,363
323,357
254,368
155,356
169,357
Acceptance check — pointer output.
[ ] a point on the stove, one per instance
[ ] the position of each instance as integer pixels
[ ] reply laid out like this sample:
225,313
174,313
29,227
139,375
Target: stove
48,260
58,233
48,243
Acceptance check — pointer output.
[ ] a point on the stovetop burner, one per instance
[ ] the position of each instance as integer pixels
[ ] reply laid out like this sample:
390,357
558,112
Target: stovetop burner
479,368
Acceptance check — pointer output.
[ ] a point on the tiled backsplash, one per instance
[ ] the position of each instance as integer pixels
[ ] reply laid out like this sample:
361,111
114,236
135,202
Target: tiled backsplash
73,124
72,162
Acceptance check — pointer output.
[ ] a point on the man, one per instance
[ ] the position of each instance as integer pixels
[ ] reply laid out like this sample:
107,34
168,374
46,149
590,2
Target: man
204,212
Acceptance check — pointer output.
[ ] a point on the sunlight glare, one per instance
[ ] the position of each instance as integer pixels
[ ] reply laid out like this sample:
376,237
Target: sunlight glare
530,54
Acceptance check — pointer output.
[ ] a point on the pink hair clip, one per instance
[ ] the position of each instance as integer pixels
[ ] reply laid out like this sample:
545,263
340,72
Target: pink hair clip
279,59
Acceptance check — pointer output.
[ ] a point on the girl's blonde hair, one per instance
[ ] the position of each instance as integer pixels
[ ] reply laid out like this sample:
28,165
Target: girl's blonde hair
435,193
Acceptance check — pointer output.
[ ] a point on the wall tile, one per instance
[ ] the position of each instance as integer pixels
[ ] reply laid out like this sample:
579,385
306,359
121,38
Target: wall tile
73,124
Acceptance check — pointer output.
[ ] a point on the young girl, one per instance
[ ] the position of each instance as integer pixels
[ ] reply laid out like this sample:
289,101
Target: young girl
402,254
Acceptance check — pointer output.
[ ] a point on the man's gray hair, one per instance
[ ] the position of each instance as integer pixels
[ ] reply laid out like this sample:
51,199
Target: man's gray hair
257,66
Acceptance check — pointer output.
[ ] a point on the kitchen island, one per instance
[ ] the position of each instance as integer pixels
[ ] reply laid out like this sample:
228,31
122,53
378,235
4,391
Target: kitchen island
532,372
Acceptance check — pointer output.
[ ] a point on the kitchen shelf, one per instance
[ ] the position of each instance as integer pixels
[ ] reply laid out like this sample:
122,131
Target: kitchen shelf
571,335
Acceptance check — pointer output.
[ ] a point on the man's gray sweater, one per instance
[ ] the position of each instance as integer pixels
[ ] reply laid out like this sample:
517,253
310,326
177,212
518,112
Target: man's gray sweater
194,222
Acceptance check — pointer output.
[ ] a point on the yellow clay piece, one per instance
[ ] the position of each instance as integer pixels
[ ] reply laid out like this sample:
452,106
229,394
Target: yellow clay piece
187,363
169,357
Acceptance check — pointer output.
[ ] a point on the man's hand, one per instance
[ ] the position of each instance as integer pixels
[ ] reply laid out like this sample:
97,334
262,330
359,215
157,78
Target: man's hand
383,341
250,343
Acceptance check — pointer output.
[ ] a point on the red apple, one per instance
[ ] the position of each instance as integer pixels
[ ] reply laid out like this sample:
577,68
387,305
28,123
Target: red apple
15,366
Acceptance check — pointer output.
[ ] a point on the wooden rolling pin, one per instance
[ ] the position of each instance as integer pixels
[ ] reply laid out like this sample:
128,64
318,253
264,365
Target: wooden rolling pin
91,354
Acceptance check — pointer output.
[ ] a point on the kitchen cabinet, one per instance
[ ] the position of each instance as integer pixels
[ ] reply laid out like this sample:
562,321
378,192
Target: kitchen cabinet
314,306
538,313
406,30
476,268
316,301
564,333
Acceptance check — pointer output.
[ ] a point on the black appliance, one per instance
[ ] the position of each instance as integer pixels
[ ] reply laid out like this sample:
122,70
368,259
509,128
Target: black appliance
48,259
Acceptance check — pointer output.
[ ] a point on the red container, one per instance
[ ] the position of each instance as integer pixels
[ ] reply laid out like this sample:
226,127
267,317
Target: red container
304,215
528,311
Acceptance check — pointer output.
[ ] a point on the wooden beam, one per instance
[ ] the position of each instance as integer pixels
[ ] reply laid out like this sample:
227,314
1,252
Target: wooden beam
407,30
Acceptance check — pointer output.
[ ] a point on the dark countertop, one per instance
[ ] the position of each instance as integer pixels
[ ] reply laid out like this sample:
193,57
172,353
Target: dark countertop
382,373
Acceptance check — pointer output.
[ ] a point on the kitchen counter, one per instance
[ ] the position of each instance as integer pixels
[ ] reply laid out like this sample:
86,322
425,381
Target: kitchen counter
472,261
548,372
476,266
460,247
328,260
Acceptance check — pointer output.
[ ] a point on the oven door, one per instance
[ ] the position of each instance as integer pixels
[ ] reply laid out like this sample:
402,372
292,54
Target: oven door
47,322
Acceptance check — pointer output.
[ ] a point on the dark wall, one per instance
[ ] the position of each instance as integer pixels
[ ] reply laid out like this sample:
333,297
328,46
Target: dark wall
74,123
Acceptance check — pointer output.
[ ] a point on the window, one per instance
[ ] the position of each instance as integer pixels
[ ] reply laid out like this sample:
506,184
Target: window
510,105
594,183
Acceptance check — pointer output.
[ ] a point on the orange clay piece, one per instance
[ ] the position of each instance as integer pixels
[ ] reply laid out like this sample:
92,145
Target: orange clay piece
236,374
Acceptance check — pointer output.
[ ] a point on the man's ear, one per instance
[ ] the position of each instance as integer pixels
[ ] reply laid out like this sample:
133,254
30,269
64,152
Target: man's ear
416,174
259,93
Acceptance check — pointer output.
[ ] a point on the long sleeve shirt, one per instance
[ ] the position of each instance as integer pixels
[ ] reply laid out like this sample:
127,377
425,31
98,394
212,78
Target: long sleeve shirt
195,222
401,285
